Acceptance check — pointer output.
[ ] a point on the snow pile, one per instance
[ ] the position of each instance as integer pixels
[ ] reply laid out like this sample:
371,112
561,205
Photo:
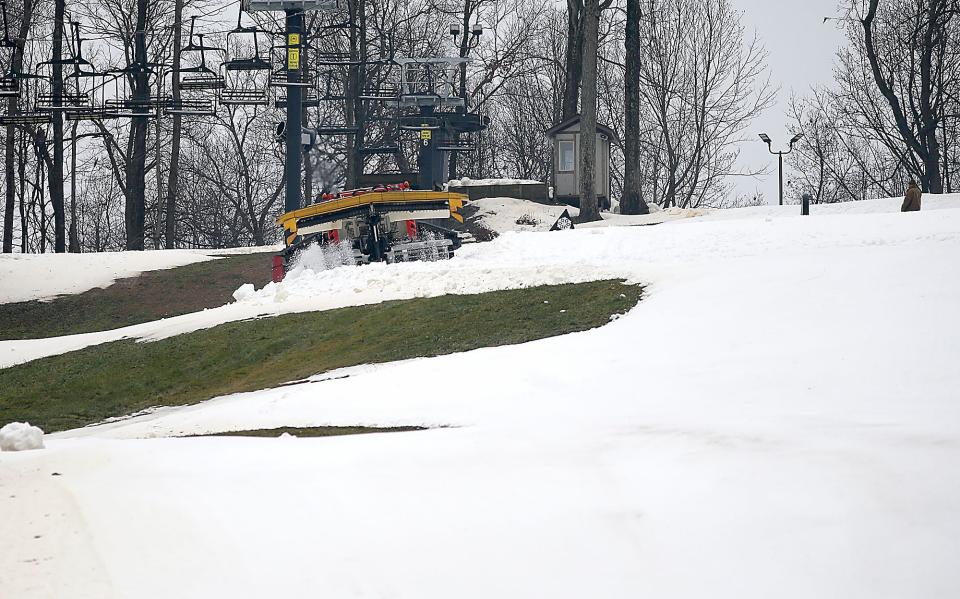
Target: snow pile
468,182
501,215
20,436
244,292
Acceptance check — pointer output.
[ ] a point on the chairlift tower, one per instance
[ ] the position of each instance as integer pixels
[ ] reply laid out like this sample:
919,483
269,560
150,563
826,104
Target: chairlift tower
436,112
295,34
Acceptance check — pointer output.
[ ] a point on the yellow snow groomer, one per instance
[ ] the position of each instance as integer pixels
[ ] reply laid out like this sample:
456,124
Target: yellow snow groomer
389,223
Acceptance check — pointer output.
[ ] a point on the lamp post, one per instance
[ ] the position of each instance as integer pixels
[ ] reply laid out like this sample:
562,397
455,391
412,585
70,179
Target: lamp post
781,154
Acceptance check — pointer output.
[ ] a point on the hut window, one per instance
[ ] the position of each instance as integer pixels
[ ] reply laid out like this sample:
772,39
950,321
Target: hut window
566,157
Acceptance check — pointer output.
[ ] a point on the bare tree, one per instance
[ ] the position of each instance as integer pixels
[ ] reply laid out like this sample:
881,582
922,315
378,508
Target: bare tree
837,161
173,175
238,164
703,82
907,52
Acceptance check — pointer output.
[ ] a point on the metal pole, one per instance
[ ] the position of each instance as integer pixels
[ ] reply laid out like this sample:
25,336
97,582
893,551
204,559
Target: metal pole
295,41
781,178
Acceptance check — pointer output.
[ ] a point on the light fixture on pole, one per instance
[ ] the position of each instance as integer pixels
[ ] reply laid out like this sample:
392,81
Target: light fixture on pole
475,32
766,139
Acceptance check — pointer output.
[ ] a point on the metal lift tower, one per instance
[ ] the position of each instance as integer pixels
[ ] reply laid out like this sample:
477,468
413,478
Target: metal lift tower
296,41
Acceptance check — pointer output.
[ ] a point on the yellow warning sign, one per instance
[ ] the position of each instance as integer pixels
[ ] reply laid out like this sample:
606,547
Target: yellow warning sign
293,52
425,134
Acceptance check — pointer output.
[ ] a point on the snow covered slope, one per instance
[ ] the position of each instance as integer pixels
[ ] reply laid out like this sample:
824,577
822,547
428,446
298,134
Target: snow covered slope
501,215
25,277
778,418
516,260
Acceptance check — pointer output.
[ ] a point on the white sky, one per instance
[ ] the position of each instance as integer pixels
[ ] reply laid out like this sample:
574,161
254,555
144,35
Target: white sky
801,51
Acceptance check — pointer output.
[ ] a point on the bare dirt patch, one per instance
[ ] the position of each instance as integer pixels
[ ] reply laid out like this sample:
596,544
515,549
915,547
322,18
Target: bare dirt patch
150,296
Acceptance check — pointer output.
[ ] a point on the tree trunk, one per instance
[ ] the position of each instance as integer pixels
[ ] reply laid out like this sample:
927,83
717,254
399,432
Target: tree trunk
9,189
134,211
55,176
356,78
22,180
589,210
74,237
573,59
16,66
170,215
632,202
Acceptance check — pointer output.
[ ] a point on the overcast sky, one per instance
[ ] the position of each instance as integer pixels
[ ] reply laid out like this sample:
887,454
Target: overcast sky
801,51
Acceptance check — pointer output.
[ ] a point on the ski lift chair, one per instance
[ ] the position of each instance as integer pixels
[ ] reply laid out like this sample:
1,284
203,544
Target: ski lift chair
26,116
199,77
195,81
310,98
246,79
97,108
383,93
123,104
430,81
9,82
308,82
190,107
70,101
334,59
9,85
25,119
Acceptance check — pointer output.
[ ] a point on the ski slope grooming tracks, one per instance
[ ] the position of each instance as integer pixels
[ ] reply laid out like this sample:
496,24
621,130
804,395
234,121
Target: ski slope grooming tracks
778,418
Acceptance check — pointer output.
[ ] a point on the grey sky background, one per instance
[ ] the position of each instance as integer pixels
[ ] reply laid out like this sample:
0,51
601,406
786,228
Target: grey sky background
801,53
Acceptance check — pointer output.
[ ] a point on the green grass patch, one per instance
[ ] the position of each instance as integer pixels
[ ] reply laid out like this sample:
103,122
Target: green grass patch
123,377
315,431
151,296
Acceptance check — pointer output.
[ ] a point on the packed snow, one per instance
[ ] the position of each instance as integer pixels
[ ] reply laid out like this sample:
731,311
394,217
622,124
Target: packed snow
502,215
20,436
779,417
25,277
